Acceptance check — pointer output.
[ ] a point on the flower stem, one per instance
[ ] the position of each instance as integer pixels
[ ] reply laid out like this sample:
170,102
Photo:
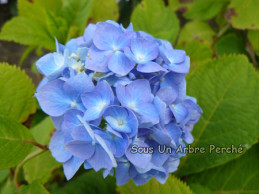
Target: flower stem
27,158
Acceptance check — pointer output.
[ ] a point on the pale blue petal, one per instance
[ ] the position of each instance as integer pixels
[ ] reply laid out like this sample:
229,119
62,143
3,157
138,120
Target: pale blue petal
53,99
81,149
57,147
120,64
71,167
150,67
106,36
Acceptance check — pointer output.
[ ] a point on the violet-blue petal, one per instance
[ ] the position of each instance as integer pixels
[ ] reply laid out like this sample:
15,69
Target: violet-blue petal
57,147
71,167
81,149
120,64
53,99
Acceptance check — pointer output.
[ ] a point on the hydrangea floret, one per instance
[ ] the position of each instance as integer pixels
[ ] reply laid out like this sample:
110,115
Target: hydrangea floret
115,95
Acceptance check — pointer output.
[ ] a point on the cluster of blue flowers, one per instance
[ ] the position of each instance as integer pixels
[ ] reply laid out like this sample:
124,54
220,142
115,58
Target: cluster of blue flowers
114,89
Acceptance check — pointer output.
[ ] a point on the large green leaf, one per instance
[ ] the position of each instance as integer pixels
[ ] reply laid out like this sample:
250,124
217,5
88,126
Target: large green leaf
28,31
33,188
243,14
103,10
253,36
88,183
238,176
196,30
204,10
34,169
230,44
153,17
13,142
77,12
16,93
227,91
172,186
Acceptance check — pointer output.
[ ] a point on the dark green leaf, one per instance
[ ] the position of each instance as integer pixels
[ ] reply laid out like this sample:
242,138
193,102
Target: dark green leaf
227,91
230,44
238,176
172,186
253,36
88,183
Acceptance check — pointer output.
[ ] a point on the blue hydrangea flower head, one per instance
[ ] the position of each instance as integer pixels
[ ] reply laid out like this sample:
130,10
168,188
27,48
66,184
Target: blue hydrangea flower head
116,96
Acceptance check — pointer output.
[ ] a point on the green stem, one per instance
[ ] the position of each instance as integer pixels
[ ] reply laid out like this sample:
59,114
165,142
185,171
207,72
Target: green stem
27,158
223,30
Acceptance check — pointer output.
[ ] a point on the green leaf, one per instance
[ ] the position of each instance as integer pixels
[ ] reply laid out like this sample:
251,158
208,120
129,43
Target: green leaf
33,188
3,174
103,10
36,9
196,30
199,53
204,10
253,36
153,17
33,169
57,26
16,93
88,183
238,176
227,91
175,5
13,142
243,14
172,186
77,12
27,31
230,44
8,187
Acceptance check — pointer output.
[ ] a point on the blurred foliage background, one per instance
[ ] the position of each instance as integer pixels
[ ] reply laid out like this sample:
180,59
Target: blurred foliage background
220,36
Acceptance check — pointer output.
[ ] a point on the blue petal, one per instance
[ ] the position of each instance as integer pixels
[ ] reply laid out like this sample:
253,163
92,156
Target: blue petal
120,64
167,94
140,160
148,112
71,167
80,149
80,133
97,60
121,119
106,36
53,99
180,112
57,147
122,175
78,84
51,65
181,67
150,67
144,50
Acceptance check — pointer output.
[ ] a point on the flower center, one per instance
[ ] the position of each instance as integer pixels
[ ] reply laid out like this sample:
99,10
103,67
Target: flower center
120,122
140,57
73,104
